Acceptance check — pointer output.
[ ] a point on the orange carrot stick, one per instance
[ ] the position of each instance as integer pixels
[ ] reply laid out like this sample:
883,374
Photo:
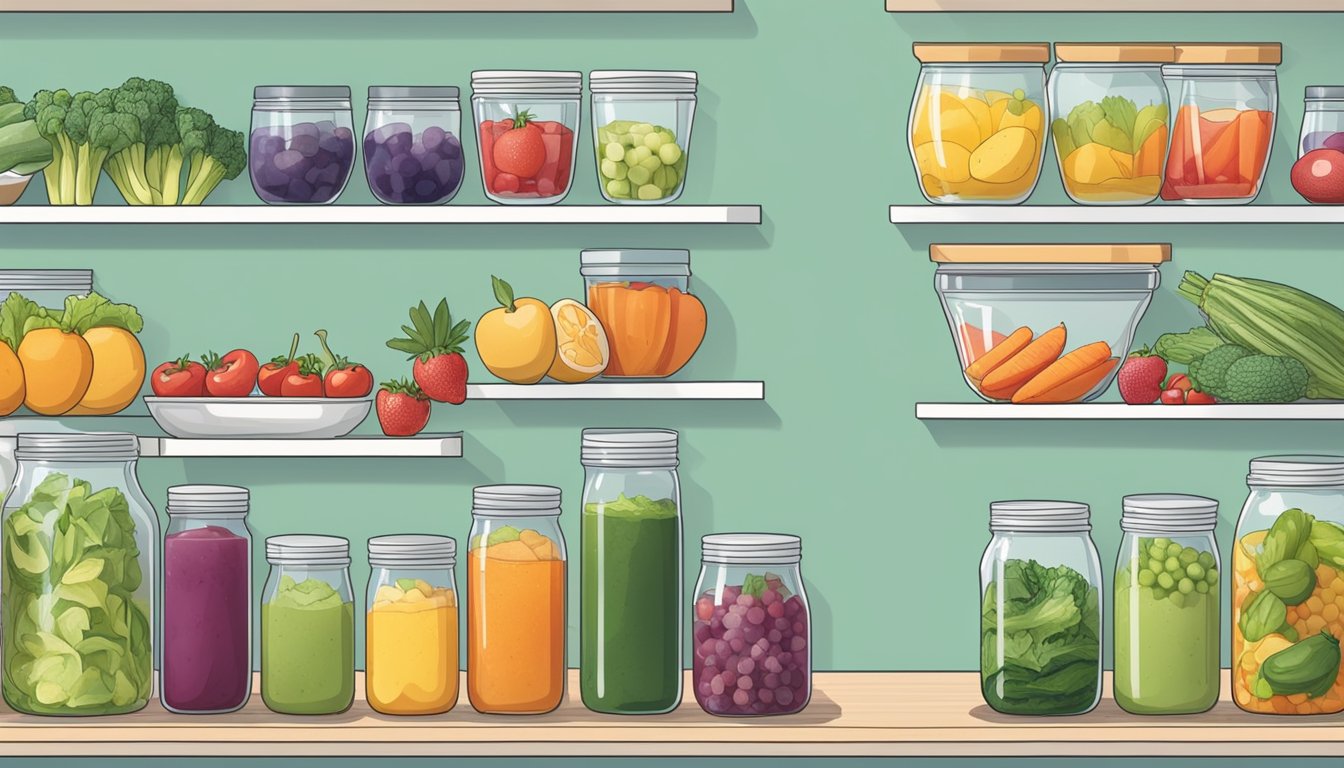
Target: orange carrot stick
997,355
1003,381
1054,381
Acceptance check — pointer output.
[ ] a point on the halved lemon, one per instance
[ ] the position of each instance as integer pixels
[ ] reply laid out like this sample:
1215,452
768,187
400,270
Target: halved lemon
581,344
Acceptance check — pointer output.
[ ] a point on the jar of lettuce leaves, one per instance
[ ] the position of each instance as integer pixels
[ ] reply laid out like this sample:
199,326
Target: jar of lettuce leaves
1288,588
1035,661
77,590
1166,606
1109,121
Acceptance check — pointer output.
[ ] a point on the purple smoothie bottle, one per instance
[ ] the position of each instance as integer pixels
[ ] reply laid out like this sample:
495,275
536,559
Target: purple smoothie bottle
207,600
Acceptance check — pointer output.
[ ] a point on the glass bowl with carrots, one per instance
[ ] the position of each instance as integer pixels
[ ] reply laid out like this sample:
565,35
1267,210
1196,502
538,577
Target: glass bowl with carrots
1038,324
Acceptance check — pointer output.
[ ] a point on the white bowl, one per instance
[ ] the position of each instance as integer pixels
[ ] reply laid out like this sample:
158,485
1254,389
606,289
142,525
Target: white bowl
258,417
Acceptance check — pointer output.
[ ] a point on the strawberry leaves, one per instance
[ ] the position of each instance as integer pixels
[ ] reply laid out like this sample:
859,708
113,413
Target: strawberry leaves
429,336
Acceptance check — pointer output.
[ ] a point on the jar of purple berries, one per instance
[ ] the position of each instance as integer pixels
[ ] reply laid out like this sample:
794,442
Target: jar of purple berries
412,145
750,626
302,143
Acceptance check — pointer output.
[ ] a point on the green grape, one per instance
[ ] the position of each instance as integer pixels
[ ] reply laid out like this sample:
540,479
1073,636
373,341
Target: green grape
1186,586
652,163
641,129
639,175
636,155
653,141
669,153
614,170
1147,578
1173,565
650,192
615,152
1165,580
618,188
1195,571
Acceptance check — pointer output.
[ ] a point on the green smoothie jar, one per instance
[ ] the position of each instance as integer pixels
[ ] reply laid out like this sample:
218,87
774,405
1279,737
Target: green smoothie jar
630,636
308,626
1166,606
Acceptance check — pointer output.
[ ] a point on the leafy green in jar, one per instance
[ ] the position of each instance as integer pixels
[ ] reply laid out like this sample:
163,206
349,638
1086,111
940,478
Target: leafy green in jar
1116,123
1328,541
76,638
1286,537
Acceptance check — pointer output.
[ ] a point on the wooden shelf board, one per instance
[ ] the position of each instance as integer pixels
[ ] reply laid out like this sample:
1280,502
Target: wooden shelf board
363,6
626,390
859,714
1129,6
1313,411
1138,214
382,214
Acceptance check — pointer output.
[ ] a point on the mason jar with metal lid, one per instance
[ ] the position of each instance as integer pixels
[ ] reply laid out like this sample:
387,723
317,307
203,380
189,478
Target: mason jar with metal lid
642,297
302,147
412,146
47,287
1322,119
630,633
80,554
1166,606
527,126
308,626
642,133
1288,587
751,628
207,600
1040,550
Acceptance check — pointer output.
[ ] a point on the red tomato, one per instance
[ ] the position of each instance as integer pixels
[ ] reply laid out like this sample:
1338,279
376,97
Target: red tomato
233,375
1173,397
272,375
306,382
354,381
1180,381
179,378
1195,397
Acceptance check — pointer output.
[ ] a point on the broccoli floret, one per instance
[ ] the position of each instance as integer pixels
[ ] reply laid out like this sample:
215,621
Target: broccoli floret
48,110
141,170
1209,373
83,130
1264,379
213,153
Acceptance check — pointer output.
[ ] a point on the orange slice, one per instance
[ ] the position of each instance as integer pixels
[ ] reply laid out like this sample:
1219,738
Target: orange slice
581,344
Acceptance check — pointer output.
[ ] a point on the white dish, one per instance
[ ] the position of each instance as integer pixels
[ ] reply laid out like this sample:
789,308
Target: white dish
258,417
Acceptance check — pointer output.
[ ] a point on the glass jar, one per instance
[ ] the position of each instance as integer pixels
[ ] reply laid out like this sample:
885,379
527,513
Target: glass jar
642,133
1226,98
207,600
977,127
1166,606
1288,587
1109,120
516,600
302,147
410,636
412,150
630,639
527,132
752,634
308,626
80,544
1322,119
654,325
1038,549
47,287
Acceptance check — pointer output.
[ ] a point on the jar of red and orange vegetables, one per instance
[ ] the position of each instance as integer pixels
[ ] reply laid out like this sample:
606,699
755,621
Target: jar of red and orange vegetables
1225,98
642,298
527,127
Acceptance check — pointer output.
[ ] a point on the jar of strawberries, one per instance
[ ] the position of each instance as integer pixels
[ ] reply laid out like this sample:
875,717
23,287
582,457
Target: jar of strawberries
527,127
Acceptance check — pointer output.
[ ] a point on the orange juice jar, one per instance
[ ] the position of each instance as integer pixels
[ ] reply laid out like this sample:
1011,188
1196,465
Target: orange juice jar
411,626
516,600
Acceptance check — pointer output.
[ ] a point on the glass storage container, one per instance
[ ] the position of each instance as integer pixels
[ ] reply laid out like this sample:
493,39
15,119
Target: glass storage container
1226,98
412,146
1288,587
1166,606
642,133
302,147
1322,119
308,626
977,127
654,325
527,132
411,635
80,543
1109,120
630,641
750,628
47,287
516,600
207,600
1039,550
1044,323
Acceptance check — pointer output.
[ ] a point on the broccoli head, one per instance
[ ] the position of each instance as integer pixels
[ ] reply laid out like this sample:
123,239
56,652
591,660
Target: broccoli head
1264,379
222,157
1209,373
139,170
48,110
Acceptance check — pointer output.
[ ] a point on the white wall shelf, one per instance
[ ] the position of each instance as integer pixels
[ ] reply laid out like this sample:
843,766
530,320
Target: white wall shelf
1138,214
382,214
1088,6
359,6
446,446
632,390
1315,411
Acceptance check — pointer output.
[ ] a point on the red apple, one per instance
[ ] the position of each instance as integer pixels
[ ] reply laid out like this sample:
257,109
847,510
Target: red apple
1318,176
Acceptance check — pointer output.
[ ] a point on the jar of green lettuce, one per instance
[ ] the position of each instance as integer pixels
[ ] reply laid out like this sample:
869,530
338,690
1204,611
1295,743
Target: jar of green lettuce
77,590
1040,610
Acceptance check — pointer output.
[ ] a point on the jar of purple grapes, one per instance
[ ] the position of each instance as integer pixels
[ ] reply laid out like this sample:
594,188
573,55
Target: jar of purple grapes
412,150
753,642
302,143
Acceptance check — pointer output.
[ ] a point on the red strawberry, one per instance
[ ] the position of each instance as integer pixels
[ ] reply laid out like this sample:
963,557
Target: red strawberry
436,346
403,410
1141,376
521,150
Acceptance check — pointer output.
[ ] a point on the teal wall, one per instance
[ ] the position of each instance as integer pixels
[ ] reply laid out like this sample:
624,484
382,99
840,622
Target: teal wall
802,109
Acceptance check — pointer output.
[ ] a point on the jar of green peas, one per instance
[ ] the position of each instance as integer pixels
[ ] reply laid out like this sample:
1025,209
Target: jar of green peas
1166,605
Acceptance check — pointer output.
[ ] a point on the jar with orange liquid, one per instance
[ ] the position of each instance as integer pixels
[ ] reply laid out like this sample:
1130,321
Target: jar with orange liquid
411,630
1225,98
643,300
516,600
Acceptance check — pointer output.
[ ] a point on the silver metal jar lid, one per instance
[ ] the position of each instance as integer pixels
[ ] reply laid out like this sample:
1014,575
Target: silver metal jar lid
222,500
312,92
1168,513
654,262
1325,91
540,82
413,92
412,551
654,448
1039,517
515,501
70,280
307,549
650,81
751,548
77,446
1297,471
